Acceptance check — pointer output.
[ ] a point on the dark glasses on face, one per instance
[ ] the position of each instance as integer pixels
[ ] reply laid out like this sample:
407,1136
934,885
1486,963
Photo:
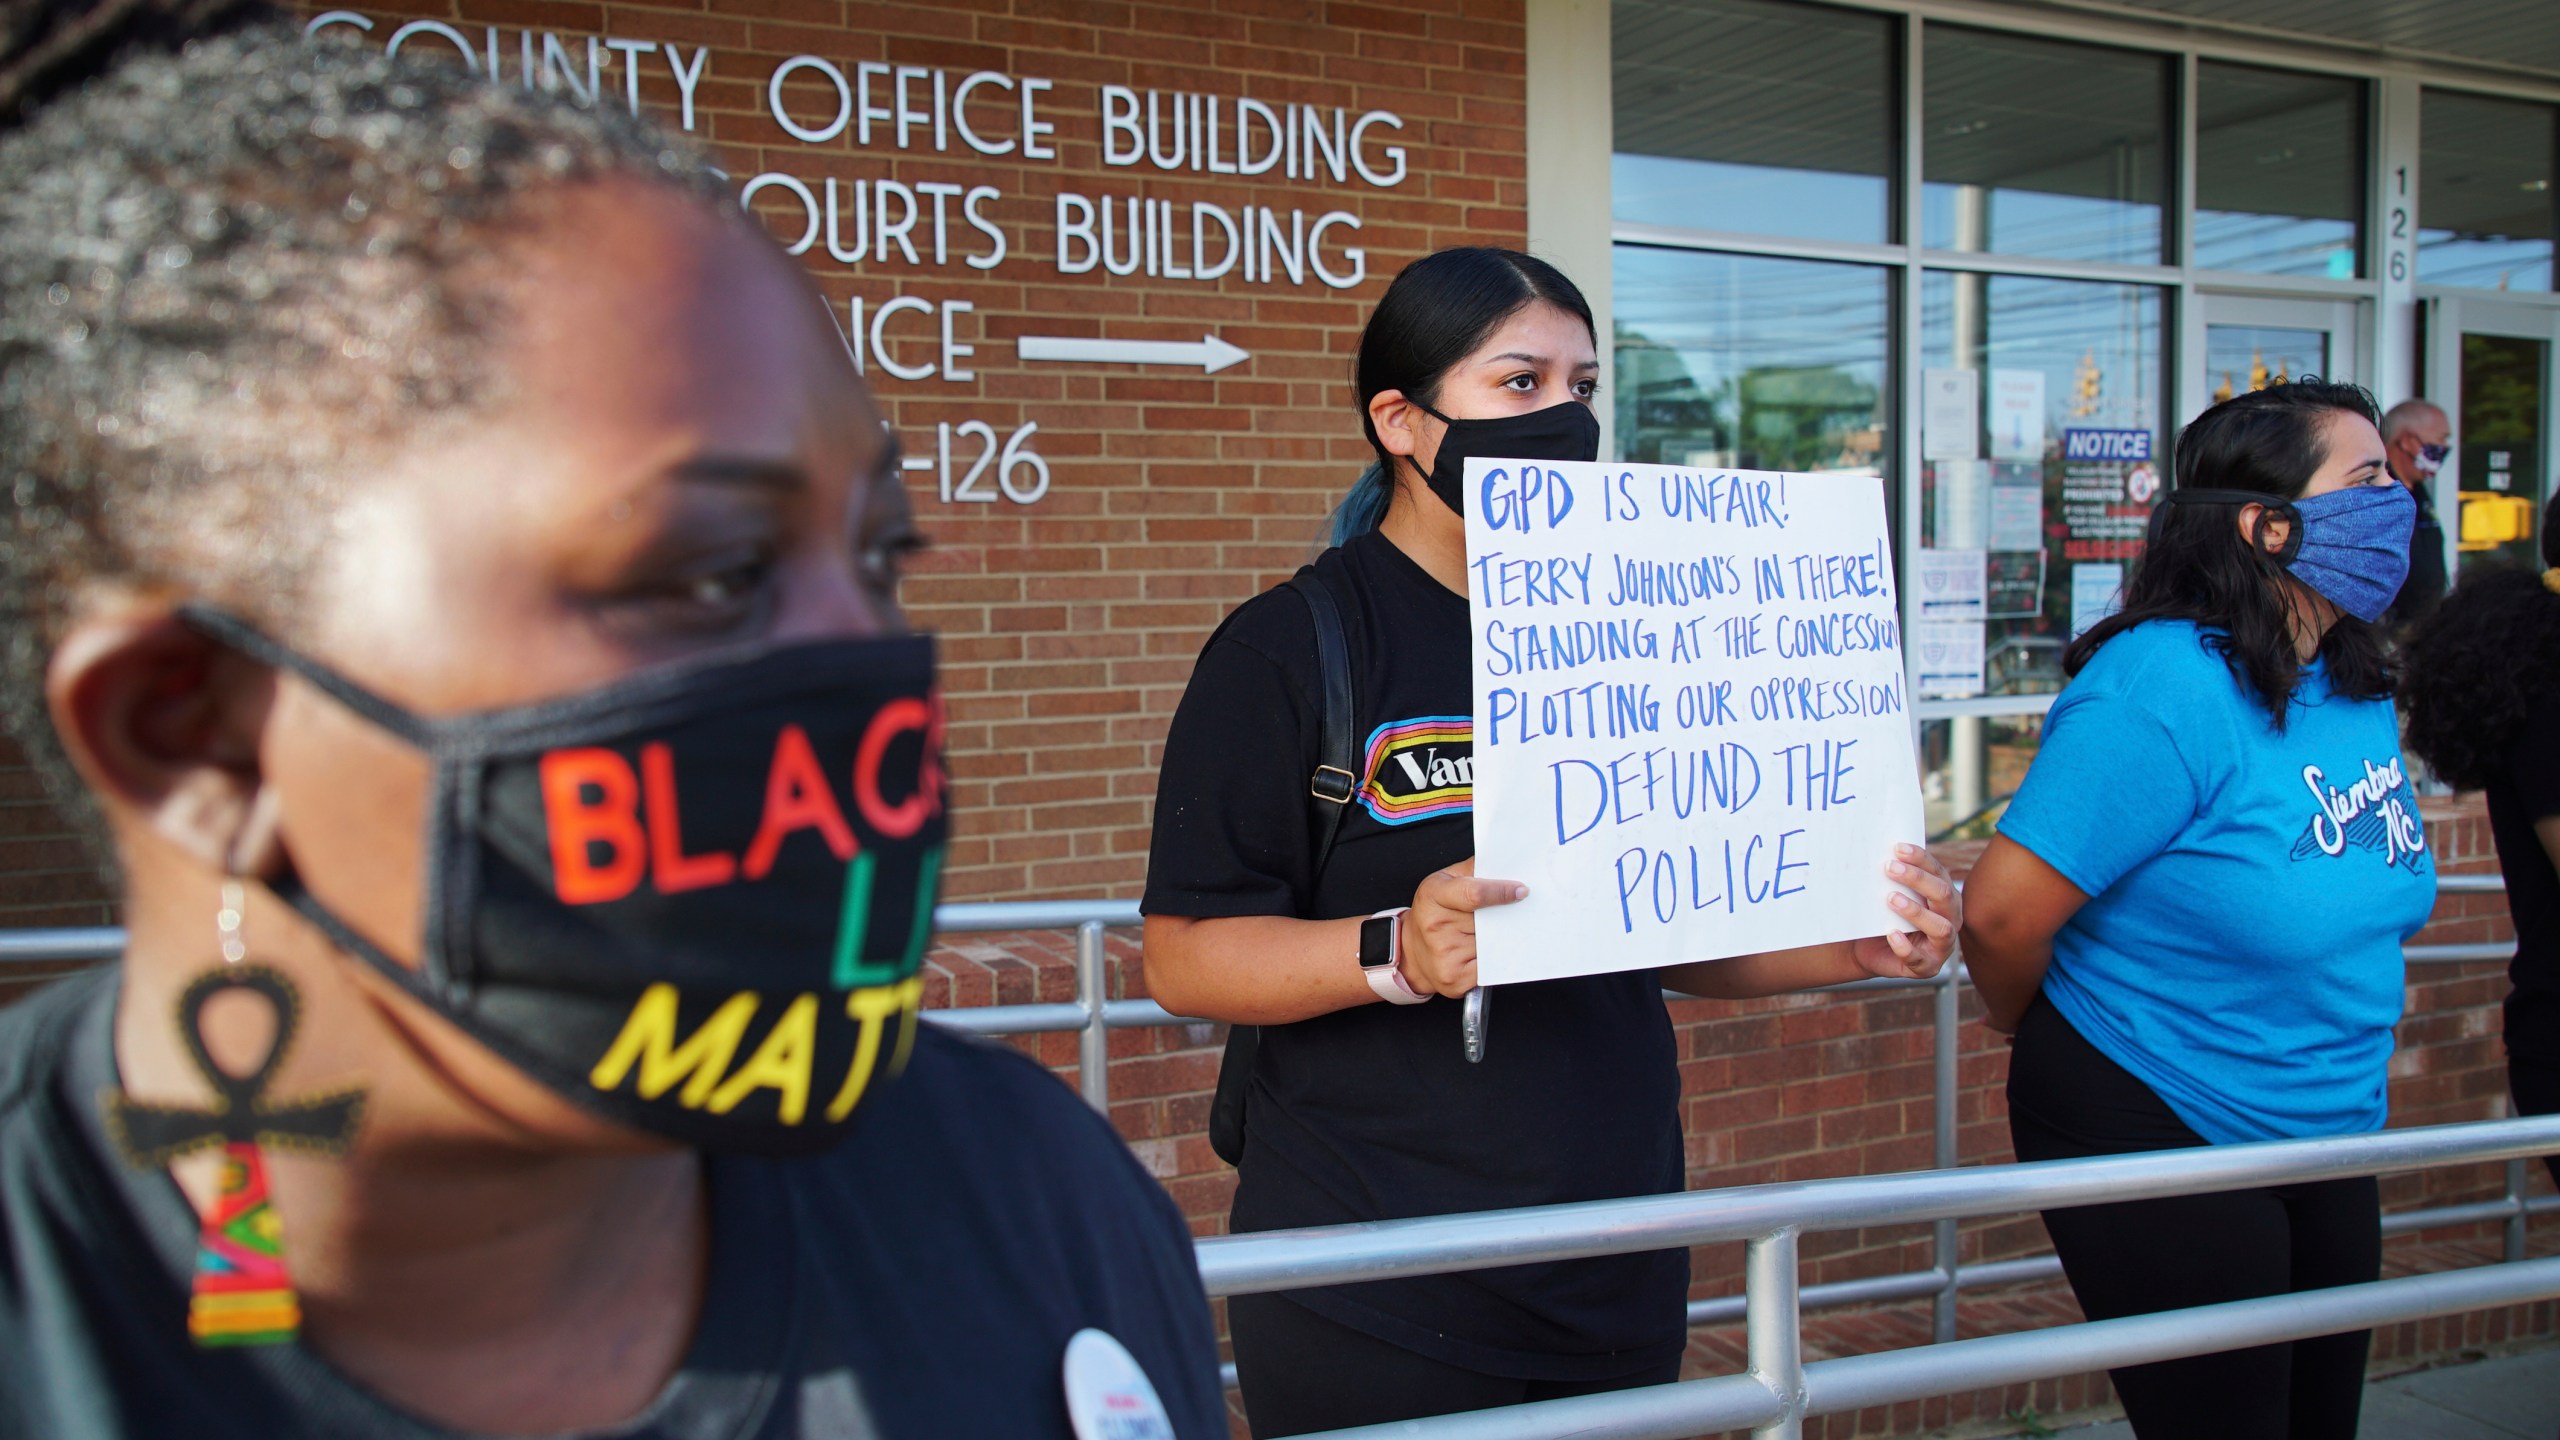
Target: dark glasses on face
2434,454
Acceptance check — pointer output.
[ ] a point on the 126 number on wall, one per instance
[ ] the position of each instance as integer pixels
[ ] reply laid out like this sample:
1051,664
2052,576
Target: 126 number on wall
1006,469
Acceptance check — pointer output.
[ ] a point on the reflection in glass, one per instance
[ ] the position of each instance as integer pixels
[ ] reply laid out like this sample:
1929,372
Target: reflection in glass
2505,393
2049,489
2241,358
1970,769
2485,195
1758,364
1752,115
2038,147
2279,171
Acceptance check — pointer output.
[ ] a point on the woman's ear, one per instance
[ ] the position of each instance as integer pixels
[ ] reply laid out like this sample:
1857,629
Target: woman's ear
163,725
2272,540
1396,419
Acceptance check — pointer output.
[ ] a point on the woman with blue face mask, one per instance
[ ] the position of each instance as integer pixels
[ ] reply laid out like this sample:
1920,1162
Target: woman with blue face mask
2191,918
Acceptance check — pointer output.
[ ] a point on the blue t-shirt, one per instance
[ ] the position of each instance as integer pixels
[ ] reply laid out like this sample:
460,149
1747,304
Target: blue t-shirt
2249,889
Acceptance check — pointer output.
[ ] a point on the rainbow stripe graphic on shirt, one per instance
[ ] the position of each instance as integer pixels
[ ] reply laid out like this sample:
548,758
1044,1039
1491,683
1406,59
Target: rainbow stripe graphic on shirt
1420,769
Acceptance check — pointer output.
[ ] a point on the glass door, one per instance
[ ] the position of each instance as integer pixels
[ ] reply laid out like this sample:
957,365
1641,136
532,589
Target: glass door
2251,342
2489,365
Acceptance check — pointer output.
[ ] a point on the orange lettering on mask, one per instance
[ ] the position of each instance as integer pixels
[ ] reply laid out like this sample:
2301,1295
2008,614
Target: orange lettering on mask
673,869
908,816
796,797
577,825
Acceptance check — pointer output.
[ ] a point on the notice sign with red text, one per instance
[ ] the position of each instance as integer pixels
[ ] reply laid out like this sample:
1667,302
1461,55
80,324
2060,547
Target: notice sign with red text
1692,733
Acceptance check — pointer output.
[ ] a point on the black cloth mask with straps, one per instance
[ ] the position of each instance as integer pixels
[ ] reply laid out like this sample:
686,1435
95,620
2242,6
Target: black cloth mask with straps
1564,431
693,901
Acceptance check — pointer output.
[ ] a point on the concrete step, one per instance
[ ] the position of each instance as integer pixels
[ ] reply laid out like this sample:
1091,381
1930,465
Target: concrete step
2513,1397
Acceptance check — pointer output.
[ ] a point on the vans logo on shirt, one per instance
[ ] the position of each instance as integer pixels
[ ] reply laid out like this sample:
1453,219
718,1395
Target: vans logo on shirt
2374,812
1420,769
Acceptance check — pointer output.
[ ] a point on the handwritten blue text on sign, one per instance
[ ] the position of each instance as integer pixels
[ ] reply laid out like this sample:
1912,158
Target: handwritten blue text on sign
1692,734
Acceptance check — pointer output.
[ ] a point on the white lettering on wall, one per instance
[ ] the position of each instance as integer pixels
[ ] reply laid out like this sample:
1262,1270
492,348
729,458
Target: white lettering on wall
877,223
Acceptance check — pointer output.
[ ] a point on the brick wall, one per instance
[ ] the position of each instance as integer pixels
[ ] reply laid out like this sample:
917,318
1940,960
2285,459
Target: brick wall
46,877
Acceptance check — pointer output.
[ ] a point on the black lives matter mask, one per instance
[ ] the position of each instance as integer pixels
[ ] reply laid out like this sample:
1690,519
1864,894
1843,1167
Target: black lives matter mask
694,901
1566,431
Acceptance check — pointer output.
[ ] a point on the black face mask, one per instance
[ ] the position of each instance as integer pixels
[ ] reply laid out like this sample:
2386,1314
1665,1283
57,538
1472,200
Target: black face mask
694,901
1567,431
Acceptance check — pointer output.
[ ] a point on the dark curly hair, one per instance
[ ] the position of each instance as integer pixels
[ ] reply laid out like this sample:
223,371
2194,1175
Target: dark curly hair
231,272
2196,567
2477,666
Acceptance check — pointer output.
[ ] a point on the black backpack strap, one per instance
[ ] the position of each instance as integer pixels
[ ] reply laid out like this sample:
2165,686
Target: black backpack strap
1330,788
1337,774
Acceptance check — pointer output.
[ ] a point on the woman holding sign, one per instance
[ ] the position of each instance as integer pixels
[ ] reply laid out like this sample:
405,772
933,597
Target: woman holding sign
1343,922
2192,915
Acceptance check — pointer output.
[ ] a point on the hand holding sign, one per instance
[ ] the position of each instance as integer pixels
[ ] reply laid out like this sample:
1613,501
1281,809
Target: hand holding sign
1439,951
1692,735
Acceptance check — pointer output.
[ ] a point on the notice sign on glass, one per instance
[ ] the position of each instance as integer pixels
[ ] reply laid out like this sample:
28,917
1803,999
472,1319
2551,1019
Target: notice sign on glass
1692,738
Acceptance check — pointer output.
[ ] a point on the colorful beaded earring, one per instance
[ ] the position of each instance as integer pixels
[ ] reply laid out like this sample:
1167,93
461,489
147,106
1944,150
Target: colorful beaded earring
242,1294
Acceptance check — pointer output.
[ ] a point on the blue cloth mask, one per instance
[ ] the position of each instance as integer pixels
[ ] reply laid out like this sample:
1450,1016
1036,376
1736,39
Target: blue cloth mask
2351,545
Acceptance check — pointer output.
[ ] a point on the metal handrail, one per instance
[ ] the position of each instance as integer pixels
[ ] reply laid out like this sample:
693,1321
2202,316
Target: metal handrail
1433,1245
1093,1016
1780,1391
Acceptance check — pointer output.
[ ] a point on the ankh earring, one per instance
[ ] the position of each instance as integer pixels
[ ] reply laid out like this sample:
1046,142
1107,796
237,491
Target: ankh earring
242,1294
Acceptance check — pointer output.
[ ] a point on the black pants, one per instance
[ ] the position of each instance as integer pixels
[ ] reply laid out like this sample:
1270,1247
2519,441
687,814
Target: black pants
2537,1091
1302,1373
2068,1101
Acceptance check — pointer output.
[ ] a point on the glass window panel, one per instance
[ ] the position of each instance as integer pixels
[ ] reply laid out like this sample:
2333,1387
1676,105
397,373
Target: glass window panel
2279,171
1752,115
1750,362
2506,393
1970,769
2485,191
2040,147
2241,358
2050,485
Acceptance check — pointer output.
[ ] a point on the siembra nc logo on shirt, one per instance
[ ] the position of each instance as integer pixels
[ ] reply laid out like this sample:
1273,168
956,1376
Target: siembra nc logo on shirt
2375,813
1420,769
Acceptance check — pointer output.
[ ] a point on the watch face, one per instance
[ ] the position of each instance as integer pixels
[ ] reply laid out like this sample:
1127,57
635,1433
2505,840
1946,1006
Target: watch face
1377,934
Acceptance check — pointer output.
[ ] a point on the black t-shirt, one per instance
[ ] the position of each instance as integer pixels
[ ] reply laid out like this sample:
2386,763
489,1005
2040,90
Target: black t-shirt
2527,790
1373,1112
921,1280
2424,588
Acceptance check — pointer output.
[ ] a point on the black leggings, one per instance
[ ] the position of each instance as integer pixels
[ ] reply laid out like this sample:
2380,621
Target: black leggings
1302,1373
2537,1091
2068,1101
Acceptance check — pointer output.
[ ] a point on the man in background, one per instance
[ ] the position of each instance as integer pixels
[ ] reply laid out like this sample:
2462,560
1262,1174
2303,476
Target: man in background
2415,434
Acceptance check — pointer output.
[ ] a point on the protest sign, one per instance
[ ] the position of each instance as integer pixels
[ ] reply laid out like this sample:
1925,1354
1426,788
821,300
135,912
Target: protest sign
1692,737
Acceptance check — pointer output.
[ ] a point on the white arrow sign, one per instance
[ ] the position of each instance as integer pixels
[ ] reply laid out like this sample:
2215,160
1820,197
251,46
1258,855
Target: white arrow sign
1209,352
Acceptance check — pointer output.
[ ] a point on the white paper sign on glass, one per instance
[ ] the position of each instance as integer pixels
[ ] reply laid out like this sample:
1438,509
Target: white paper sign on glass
1692,737
2017,414
1950,414
2097,591
1947,658
1952,584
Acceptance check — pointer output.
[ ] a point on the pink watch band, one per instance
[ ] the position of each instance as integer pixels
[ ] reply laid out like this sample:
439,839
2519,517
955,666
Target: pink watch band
1388,980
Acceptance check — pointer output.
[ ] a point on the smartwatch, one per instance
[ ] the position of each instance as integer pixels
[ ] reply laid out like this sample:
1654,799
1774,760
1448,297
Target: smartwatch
1381,946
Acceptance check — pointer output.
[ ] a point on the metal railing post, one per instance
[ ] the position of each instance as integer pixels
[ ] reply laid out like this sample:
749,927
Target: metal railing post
1942,1306
1773,1329
2516,1180
1093,1053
